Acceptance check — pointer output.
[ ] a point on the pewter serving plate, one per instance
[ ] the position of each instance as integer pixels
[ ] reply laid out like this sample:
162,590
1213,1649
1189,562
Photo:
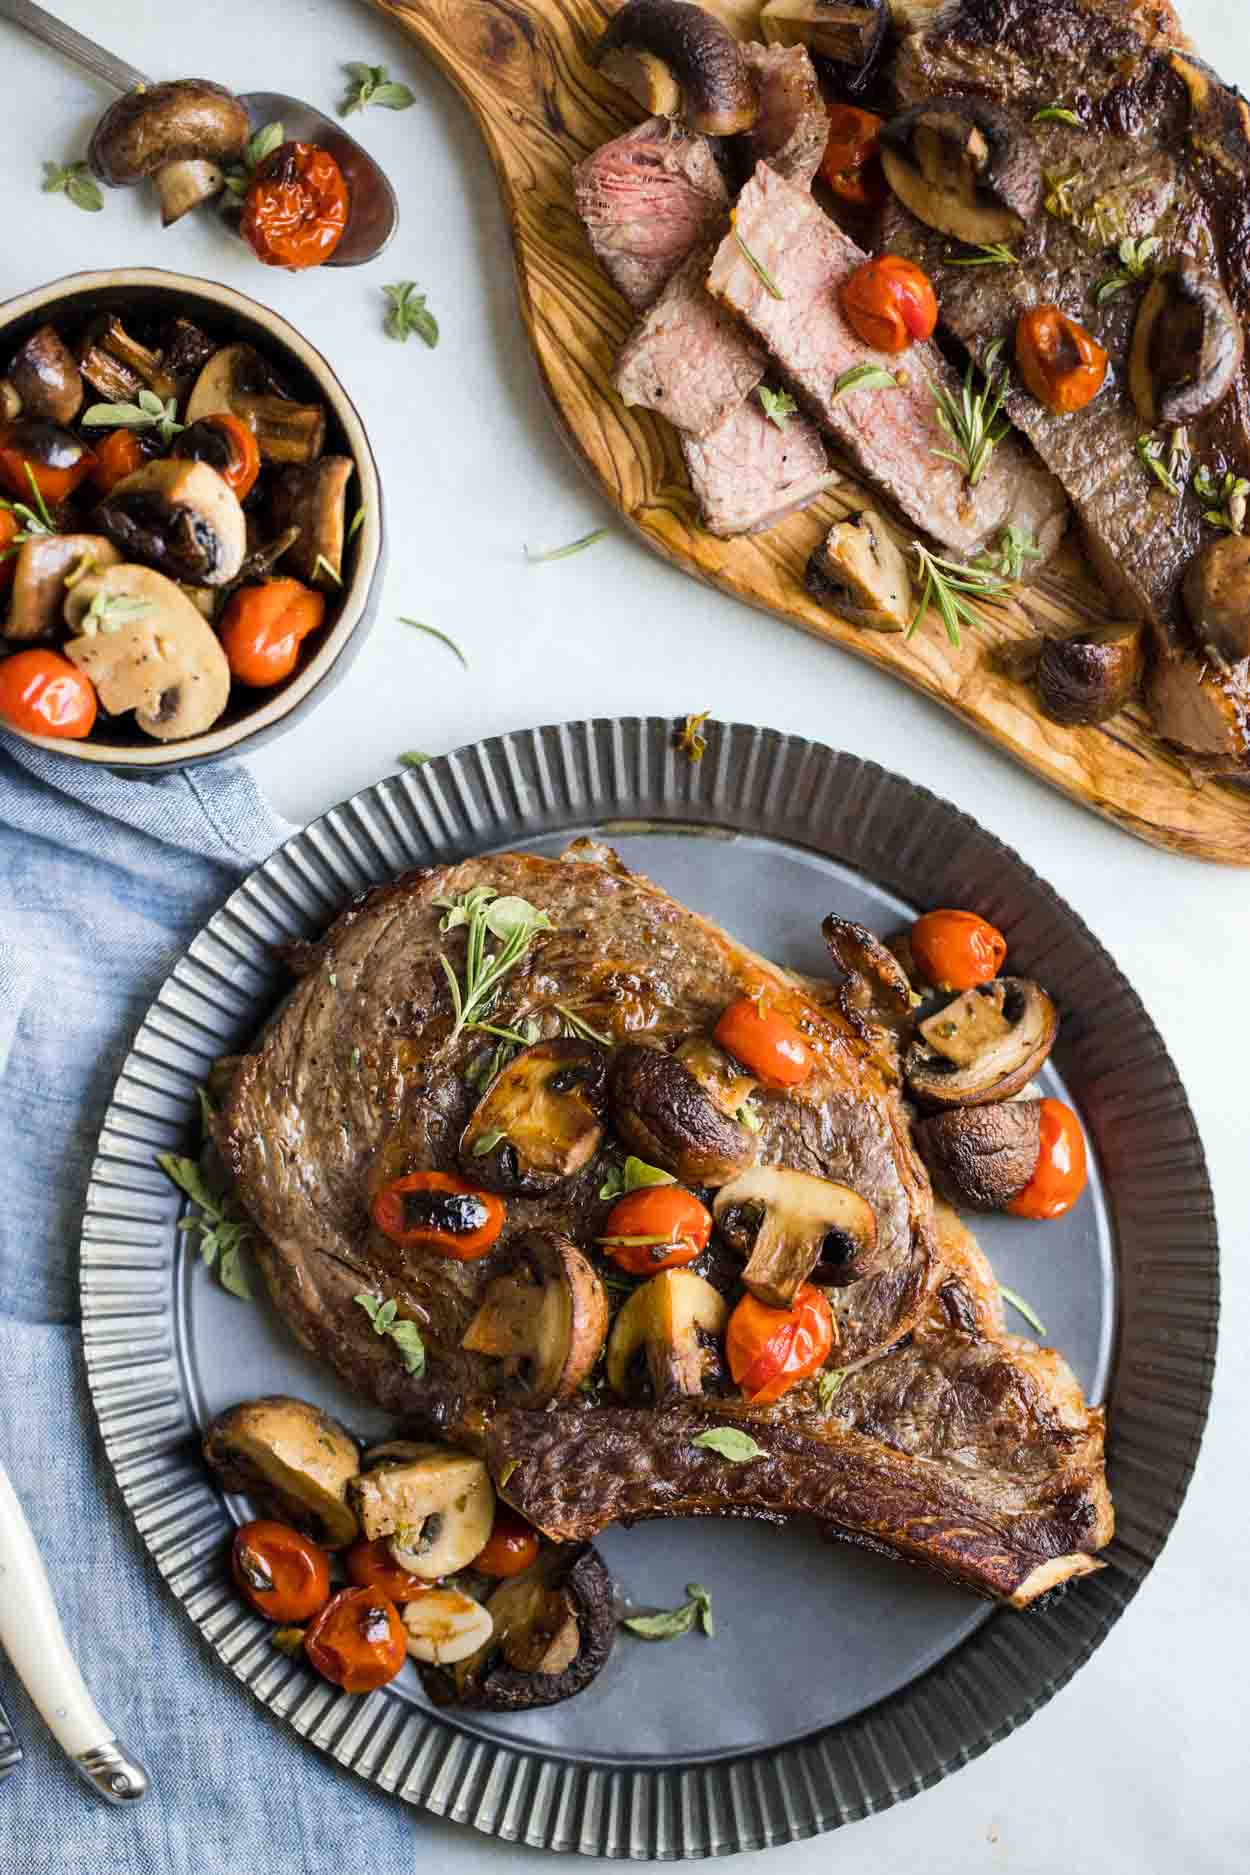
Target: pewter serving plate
758,1736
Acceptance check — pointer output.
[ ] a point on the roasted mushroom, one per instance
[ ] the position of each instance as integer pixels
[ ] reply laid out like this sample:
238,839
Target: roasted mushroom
877,981
546,1320
552,1629
1187,346
860,573
983,1046
292,1460
540,1120
670,1329
435,1504
664,1113
963,167
981,1157
1202,709
180,134
313,498
119,367
40,571
789,1222
677,61
44,379
147,649
179,517
1086,679
185,350
1217,597
848,32
237,380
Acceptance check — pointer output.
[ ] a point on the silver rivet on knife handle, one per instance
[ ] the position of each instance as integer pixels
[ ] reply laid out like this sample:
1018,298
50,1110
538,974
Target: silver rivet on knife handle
112,1773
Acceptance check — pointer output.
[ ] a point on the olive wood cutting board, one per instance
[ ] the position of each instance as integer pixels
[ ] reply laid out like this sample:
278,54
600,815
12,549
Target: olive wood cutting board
523,68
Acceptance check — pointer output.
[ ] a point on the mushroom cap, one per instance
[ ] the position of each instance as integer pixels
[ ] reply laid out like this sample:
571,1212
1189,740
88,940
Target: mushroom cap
789,1222
1217,596
672,1317
541,1118
860,572
1088,678
186,120
567,1580
179,515
963,167
546,1318
1187,346
46,378
984,1045
982,1157
40,569
288,1456
678,60
667,1117
165,663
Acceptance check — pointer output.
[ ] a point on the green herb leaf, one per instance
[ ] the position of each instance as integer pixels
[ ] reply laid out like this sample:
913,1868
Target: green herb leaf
148,414
972,419
370,85
232,1276
865,378
1136,261
779,406
488,1141
668,1624
642,1243
263,143
288,1641
506,1470
223,1227
36,522
828,1385
516,923
1022,1308
748,1116
637,1175
758,269
703,1601
432,631
1149,452
407,1338
413,758
945,584
729,1442
1057,114
75,181
1228,499
357,522
1015,546
564,553
109,611
408,314
988,254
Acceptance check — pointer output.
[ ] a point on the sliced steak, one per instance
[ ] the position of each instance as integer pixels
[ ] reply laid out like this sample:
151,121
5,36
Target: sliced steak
892,435
792,128
749,473
646,200
687,358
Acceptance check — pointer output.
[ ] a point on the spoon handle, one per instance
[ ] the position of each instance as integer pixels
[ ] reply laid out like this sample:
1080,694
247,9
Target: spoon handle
62,38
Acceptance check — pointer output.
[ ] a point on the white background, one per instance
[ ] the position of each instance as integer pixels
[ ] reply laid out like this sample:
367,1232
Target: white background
1140,1765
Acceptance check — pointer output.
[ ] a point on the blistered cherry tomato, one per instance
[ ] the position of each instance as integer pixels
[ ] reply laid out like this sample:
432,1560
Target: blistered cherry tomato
264,626
511,1546
851,164
956,950
43,694
764,1042
10,528
1061,1173
439,1211
281,1573
770,1350
889,303
295,210
658,1228
357,1640
1060,363
55,460
118,455
371,1566
226,444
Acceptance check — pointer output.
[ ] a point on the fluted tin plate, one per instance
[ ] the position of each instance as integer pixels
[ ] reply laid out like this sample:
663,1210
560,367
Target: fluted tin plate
837,1683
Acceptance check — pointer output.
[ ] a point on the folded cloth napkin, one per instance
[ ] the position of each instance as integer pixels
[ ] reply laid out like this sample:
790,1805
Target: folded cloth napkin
103,881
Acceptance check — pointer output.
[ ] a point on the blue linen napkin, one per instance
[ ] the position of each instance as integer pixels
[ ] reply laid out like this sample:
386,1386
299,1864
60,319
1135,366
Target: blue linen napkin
103,881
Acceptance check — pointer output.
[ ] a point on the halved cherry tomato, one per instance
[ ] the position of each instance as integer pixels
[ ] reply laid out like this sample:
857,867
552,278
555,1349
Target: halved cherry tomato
889,303
511,1546
226,444
769,1350
764,1042
281,1573
263,627
658,1228
1061,1173
295,211
118,456
371,1566
57,460
43,694
1060,363
851,164
439,1211
357,1640
10,528
956,950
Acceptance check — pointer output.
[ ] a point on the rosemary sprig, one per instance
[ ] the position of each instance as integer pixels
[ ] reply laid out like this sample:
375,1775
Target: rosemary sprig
581,1029
988,254
1228,499
564,553
1149,453
946,582
432,631
36,523
1015,546
513,921
759,269
109,611
1022,1308
1136,261
223,1228
973,420
779,406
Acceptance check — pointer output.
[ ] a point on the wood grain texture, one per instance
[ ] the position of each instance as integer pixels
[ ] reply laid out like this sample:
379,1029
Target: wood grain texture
523,68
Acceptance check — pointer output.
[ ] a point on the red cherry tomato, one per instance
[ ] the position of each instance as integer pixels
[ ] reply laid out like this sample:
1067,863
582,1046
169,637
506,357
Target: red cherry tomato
659,1228
851,164
118,455
956,950
295,211
889,303
55,460
769,1350
511,1546
282,1574
1061,1173
357,1640
1060,362
766,1043
371,1566
264,626
43,694
439,1211
226,444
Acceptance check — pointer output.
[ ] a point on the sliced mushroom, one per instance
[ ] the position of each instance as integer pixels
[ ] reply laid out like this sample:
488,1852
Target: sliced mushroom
722,1078
552,1629
180,134
238,381
185,350
292,1460
1187,346
983,1046
982,1157
41,569
313,498
445,1627
675,60
44,378
664,1114
541,1118
962,166
546,1319
671,1326
436,1505
790,1222
1217,597
119,367
1088,678
877,981
849,32
859,572
153,653
179,517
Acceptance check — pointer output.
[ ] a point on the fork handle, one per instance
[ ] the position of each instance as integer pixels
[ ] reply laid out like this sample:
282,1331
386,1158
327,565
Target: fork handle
75,45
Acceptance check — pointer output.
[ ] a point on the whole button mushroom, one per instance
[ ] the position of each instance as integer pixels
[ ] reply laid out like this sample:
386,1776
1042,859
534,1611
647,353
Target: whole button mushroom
178,516
1088,678
677,61
1187,346
179,134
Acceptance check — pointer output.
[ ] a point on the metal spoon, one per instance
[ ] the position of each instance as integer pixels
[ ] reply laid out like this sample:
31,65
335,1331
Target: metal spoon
374,211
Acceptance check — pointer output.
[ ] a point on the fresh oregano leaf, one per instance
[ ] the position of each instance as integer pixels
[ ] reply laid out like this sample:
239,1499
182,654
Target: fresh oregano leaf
729,1442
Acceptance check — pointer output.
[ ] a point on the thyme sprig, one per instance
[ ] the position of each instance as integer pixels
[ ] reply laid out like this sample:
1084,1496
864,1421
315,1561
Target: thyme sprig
1227,498
371,84
779,406
1150,453
690,740
973,420
1136,261
947,585
513,921
988,254
1015,546
222,1226
408,313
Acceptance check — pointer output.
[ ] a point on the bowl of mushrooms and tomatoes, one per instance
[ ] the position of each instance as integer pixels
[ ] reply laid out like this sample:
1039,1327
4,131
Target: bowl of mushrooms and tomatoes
190,521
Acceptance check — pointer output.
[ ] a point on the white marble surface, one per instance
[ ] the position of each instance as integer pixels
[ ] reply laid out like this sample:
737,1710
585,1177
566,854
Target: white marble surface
1139,1766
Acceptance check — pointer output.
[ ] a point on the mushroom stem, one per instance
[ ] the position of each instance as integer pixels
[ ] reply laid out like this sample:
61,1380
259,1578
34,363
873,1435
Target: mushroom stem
182,186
